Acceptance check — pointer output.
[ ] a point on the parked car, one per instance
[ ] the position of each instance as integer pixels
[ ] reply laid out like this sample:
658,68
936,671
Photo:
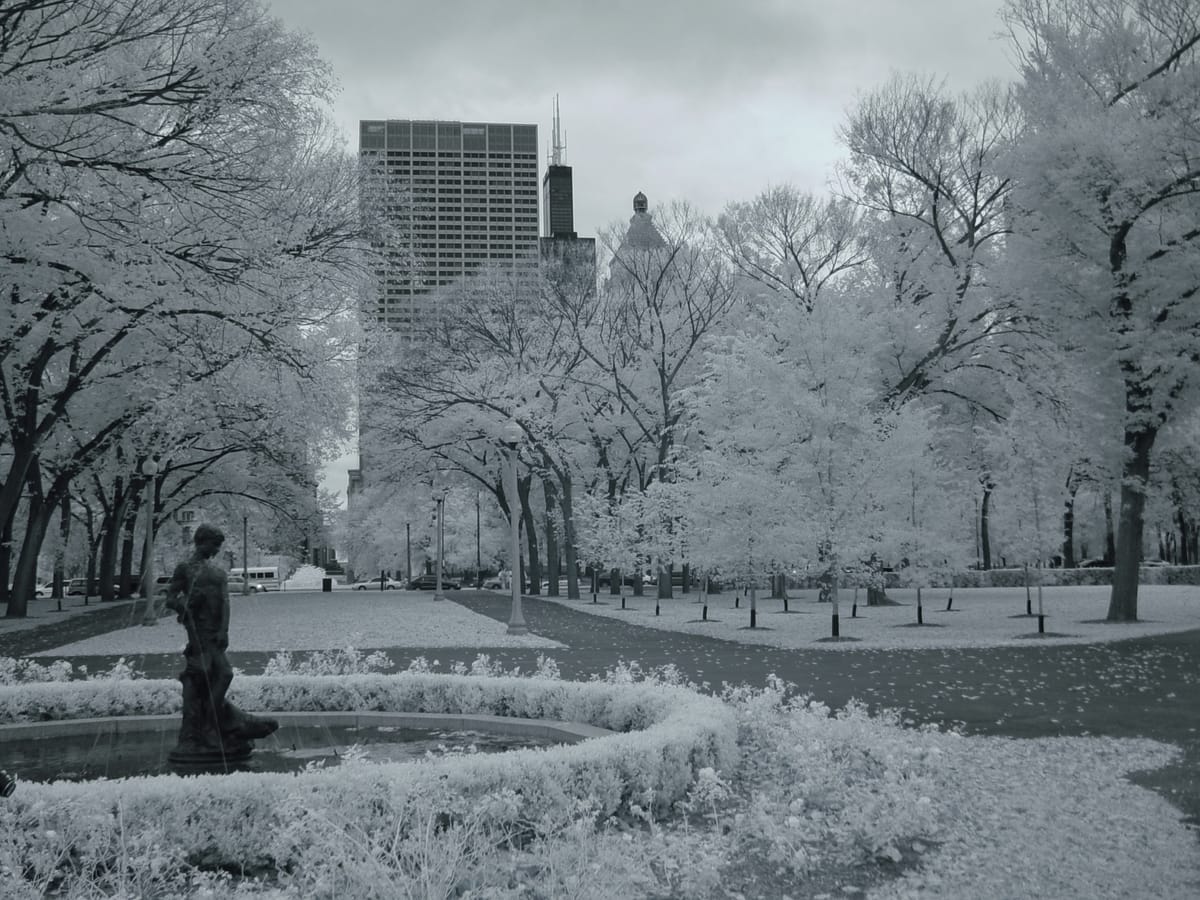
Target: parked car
429,583
372,584
1094,564
493,583
44,590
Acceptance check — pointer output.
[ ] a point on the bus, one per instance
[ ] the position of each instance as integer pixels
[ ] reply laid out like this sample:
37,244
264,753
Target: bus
262,578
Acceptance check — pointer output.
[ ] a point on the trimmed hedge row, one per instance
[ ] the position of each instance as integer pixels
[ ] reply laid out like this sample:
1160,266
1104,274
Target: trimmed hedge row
1089,576
1015,577
248,820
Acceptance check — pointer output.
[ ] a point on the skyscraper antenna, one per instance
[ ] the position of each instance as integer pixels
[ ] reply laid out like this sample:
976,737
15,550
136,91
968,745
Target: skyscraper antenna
557,155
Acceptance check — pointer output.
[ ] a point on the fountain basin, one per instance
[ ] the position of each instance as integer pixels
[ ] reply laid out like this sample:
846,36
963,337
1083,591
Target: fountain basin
125,746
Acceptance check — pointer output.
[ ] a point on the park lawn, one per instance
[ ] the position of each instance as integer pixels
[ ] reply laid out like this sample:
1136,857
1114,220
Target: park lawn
978,617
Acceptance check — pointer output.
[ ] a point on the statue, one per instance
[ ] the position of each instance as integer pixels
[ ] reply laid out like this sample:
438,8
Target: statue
213,731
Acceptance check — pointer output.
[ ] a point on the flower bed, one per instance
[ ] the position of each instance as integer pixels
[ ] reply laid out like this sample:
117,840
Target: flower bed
270,822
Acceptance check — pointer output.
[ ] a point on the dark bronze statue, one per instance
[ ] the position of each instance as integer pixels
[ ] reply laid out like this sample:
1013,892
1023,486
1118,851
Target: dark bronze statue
214,731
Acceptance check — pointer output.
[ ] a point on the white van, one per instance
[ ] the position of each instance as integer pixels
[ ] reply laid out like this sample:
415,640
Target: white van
261,578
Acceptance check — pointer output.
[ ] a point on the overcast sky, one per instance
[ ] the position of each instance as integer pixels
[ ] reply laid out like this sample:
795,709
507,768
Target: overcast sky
708,101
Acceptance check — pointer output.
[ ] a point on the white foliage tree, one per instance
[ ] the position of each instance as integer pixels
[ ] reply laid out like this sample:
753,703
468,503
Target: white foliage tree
1108,187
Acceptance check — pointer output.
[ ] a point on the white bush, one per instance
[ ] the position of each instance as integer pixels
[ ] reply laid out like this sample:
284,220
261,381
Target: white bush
273,822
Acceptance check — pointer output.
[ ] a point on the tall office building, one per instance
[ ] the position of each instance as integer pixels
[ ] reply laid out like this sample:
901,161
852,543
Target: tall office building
560,243
558,202
457,196
461,195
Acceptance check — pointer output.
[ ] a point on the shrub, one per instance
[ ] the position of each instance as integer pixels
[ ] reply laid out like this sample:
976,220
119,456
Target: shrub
271,822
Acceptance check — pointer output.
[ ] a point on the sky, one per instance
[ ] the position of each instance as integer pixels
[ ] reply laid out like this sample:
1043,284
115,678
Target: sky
708,101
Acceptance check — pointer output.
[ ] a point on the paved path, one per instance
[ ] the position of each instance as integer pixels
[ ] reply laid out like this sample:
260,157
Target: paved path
1145,687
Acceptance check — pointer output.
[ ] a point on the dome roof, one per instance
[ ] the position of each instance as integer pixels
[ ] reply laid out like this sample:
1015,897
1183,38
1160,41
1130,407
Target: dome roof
642,235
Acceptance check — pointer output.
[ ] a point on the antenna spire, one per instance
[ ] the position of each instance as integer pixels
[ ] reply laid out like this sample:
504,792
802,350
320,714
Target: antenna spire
559,146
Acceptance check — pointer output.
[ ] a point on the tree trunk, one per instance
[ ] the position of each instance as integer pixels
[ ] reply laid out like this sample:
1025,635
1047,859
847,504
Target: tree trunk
21,457
1068,546
6,537
25,577
778,588
111,530
567,507
1185,539
553,564
1110,543
93,544
666,583
985,540
1122,606
125,579
60,558
614,581
534,568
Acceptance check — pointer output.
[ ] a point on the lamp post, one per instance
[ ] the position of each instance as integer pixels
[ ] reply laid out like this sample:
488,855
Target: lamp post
439,497
512,437
150,617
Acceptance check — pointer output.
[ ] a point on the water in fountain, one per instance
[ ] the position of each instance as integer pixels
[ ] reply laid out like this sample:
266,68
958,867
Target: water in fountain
109,754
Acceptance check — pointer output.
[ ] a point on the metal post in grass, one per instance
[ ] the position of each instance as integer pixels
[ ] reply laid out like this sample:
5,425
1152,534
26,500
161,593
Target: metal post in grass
1028,598
920,610
1041,613
833,600
753,604
704,598
854,606
950,600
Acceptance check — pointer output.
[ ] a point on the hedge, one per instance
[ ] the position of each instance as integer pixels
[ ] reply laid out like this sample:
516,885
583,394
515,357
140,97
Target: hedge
247,821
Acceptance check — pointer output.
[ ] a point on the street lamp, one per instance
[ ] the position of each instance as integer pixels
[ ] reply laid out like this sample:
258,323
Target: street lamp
512,438
149,469
439,497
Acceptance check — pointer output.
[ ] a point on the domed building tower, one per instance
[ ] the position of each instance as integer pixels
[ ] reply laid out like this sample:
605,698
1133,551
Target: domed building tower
641,237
